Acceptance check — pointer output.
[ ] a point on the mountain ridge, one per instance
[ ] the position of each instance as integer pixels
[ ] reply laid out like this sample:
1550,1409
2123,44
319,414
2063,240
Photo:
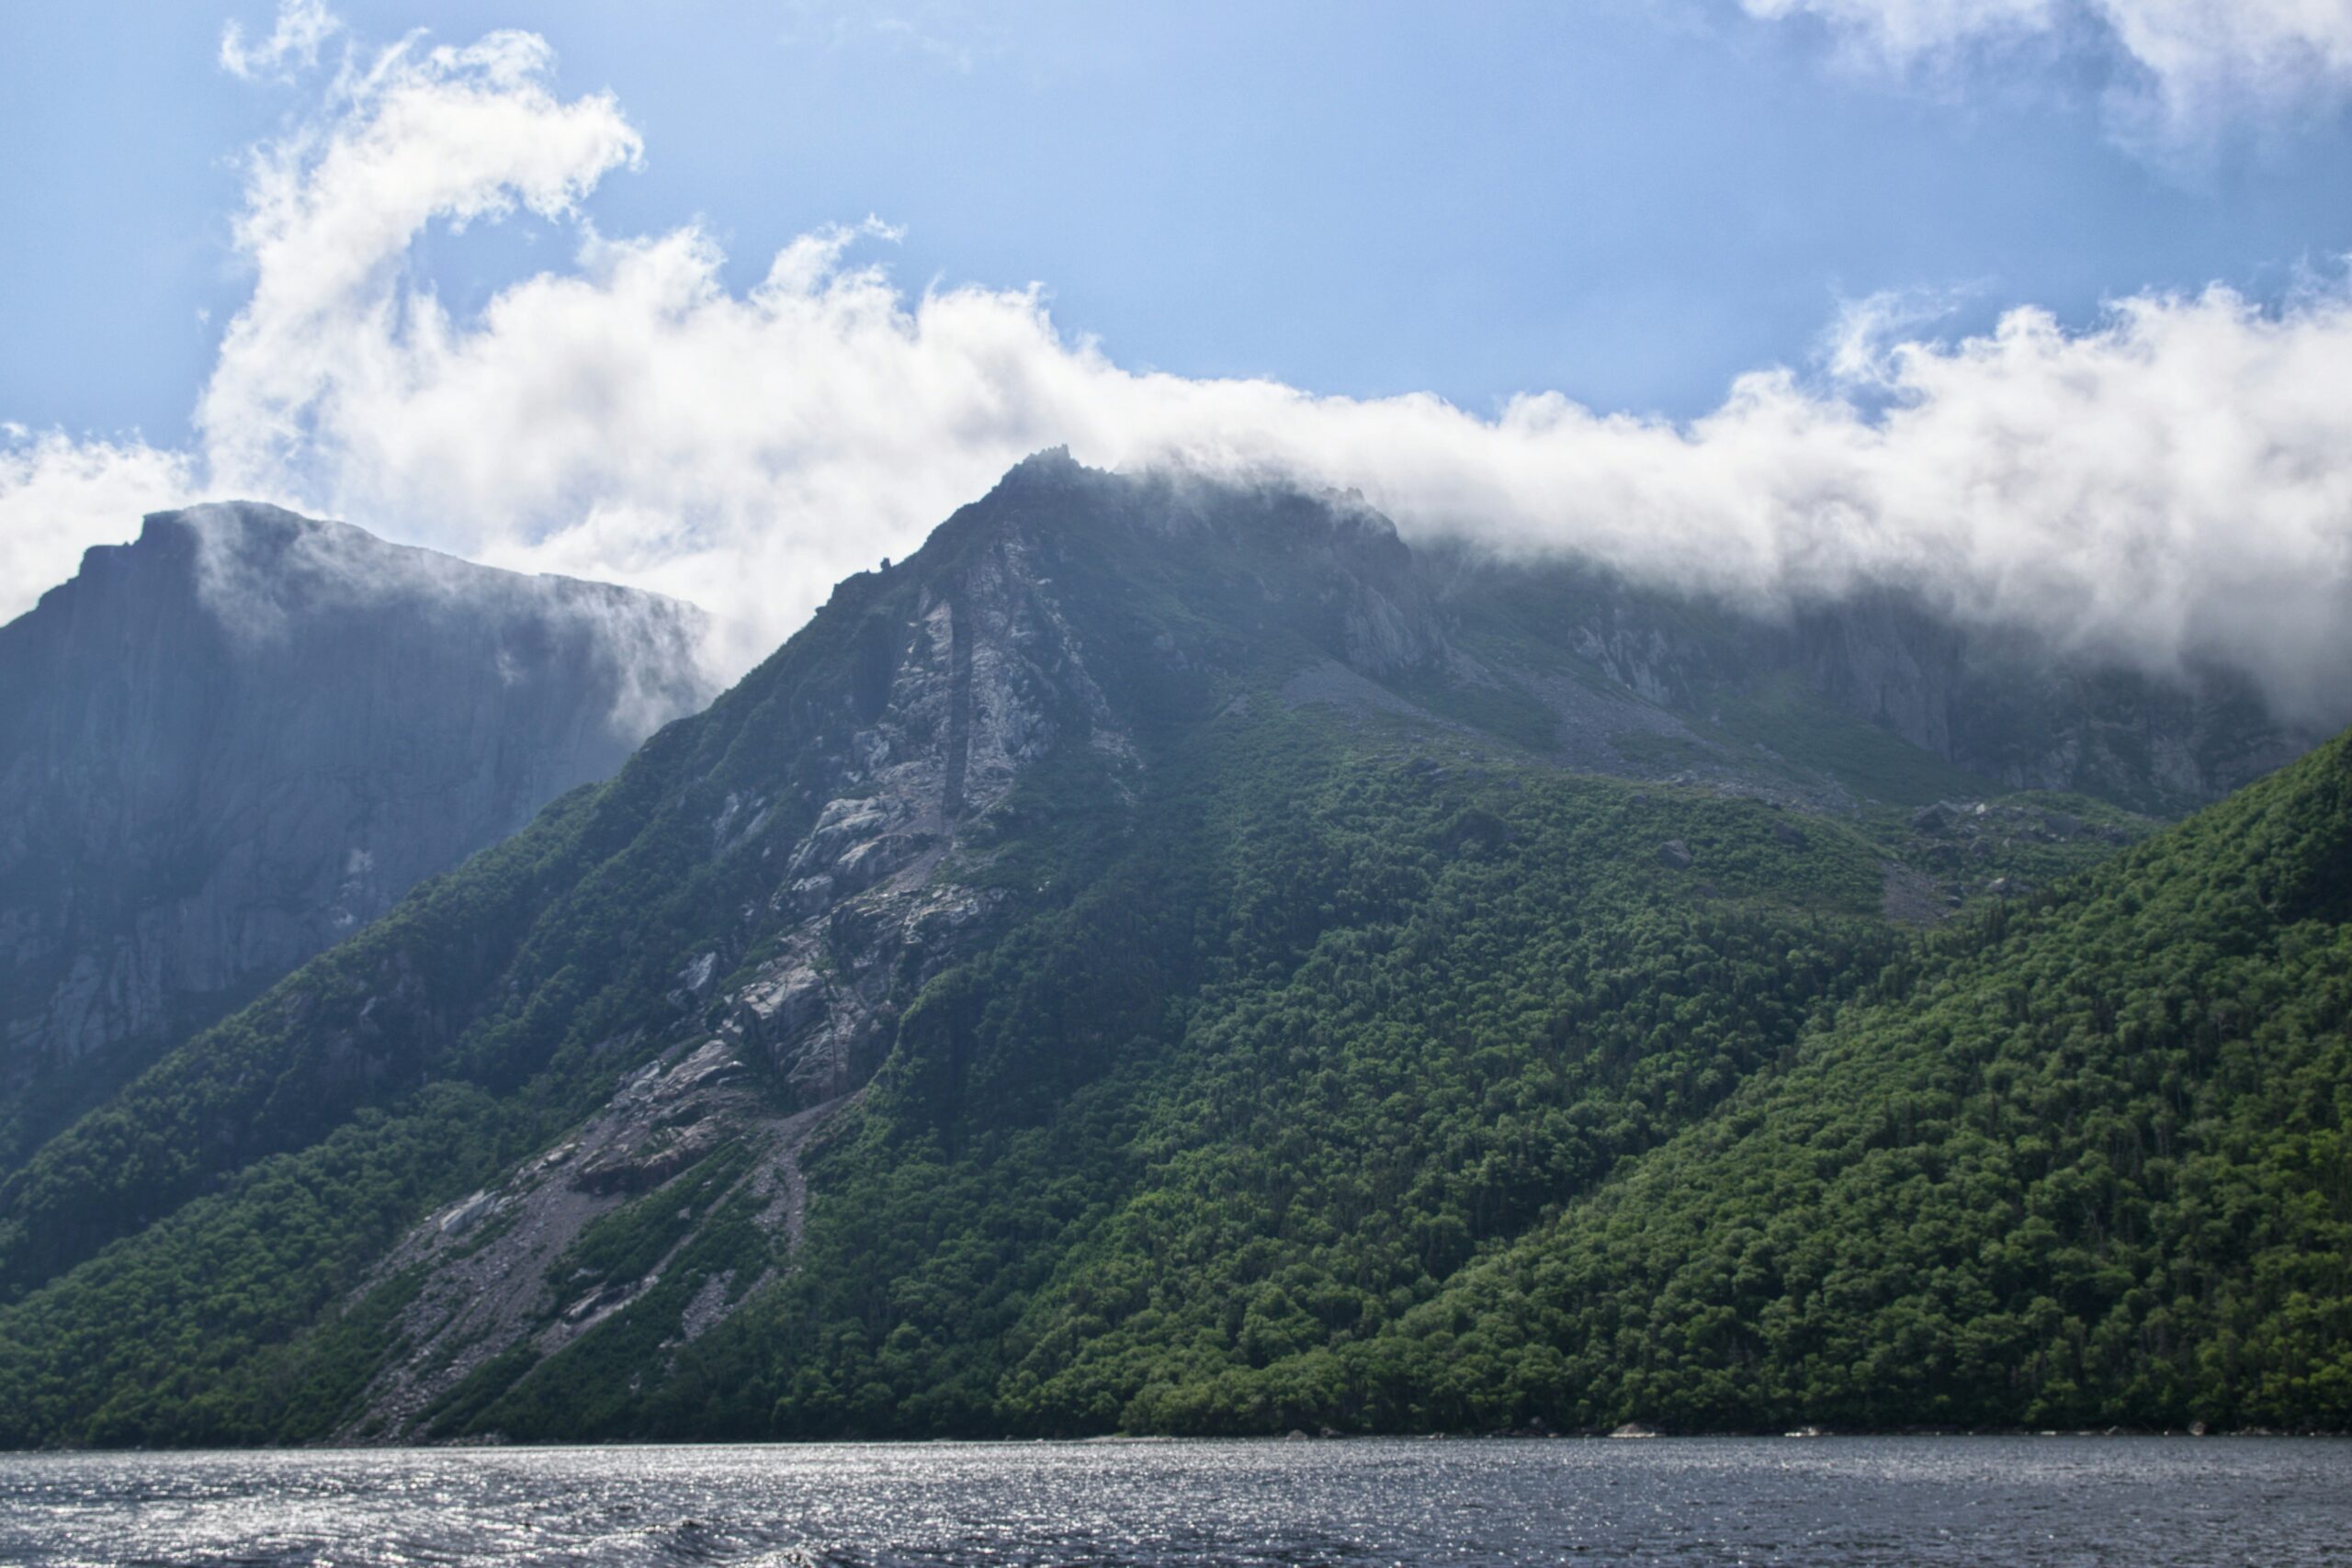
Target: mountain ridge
1119,967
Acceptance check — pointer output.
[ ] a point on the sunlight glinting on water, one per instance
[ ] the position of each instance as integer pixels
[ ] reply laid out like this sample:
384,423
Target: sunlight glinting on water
2146,1501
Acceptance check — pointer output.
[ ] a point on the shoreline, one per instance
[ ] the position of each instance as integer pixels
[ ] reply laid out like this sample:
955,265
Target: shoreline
1152,1440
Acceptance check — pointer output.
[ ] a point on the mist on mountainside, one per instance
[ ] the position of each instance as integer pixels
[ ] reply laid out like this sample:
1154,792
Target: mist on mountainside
2161,487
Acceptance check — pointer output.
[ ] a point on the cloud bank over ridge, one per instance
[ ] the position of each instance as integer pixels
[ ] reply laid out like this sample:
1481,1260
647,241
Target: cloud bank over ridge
2172,483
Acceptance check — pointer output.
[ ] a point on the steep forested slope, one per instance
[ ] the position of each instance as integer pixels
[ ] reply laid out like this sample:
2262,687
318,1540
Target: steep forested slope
2080,1161
1274,1081
2092,1164
1149,959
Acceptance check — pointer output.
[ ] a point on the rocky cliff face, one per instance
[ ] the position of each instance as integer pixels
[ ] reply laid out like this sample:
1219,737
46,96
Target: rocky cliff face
2012,713
2029,717
234,742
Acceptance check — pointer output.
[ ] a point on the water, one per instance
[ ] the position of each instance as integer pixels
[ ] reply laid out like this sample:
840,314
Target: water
2135,1501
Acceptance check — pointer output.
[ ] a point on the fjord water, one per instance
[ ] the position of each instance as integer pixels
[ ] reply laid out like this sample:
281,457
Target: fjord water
2021,1500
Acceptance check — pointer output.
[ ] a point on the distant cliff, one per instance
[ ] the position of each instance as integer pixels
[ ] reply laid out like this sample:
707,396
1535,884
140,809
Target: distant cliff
1745,690
232,742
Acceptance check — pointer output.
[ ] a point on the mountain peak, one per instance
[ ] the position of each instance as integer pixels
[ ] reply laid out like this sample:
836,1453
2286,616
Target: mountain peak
1046,465
262,519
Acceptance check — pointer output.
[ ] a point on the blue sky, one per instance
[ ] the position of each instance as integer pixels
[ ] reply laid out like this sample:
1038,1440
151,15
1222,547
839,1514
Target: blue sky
2036,306
1630,201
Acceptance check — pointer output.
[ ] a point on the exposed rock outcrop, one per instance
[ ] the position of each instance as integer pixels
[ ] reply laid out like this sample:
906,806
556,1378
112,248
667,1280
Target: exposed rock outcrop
1999,706
863,907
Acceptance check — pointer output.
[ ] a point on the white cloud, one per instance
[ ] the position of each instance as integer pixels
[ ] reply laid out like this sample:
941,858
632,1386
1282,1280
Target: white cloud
2190,66
456,134
2173,481
59,497
1901,32
2211,59
302,28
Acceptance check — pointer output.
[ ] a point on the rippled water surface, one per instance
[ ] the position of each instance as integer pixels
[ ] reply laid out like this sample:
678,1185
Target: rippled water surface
2140,1501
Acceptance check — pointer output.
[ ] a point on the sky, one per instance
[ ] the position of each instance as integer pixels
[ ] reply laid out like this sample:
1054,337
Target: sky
2038,306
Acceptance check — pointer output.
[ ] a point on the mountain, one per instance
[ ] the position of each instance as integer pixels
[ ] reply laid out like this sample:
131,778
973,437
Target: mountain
1169,956
232,742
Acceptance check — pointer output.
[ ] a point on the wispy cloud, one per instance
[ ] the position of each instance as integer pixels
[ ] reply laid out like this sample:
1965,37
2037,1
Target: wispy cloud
456,135
2172,481
301,30
2187,70
58,496
1858,348
953,33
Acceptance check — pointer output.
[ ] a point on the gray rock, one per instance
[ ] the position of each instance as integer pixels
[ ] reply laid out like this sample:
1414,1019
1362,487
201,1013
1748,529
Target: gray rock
1937,819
